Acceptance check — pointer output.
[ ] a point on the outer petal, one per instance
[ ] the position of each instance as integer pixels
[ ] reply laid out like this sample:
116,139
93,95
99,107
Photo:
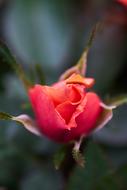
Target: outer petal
86,121
58,94
49,121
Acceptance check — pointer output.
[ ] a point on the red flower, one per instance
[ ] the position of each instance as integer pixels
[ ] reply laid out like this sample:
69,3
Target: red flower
124,2
65,111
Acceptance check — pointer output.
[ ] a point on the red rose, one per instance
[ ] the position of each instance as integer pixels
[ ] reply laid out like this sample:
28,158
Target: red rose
124,2
65,111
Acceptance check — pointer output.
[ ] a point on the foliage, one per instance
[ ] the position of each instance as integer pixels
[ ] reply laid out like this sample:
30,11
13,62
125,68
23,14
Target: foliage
51,36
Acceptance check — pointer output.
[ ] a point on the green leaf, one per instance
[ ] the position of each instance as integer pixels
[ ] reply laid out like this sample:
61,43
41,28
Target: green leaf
114,180
121,174
7,57
44,178
97,175
108,182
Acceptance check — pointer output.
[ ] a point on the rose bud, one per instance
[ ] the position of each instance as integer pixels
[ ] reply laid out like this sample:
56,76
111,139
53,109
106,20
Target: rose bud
65,111
124,2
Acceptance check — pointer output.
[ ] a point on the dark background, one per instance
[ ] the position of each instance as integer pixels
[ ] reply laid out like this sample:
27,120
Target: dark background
53,34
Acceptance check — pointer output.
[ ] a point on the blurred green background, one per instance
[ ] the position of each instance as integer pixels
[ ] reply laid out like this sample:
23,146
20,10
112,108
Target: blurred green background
53,34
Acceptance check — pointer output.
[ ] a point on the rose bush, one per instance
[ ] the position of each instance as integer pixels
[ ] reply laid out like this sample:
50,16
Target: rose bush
65,111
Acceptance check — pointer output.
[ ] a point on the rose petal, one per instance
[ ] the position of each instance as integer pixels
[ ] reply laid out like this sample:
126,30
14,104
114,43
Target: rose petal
66,110
78,79
75,93
124,2
80,108
61,93
69,110
87,119
57,94
49,121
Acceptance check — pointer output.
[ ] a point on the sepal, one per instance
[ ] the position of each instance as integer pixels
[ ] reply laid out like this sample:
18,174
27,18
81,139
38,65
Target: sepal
76,153
23,119
80,67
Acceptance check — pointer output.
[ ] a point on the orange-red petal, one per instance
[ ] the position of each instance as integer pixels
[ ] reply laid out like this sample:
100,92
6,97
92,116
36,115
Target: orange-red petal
78,79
